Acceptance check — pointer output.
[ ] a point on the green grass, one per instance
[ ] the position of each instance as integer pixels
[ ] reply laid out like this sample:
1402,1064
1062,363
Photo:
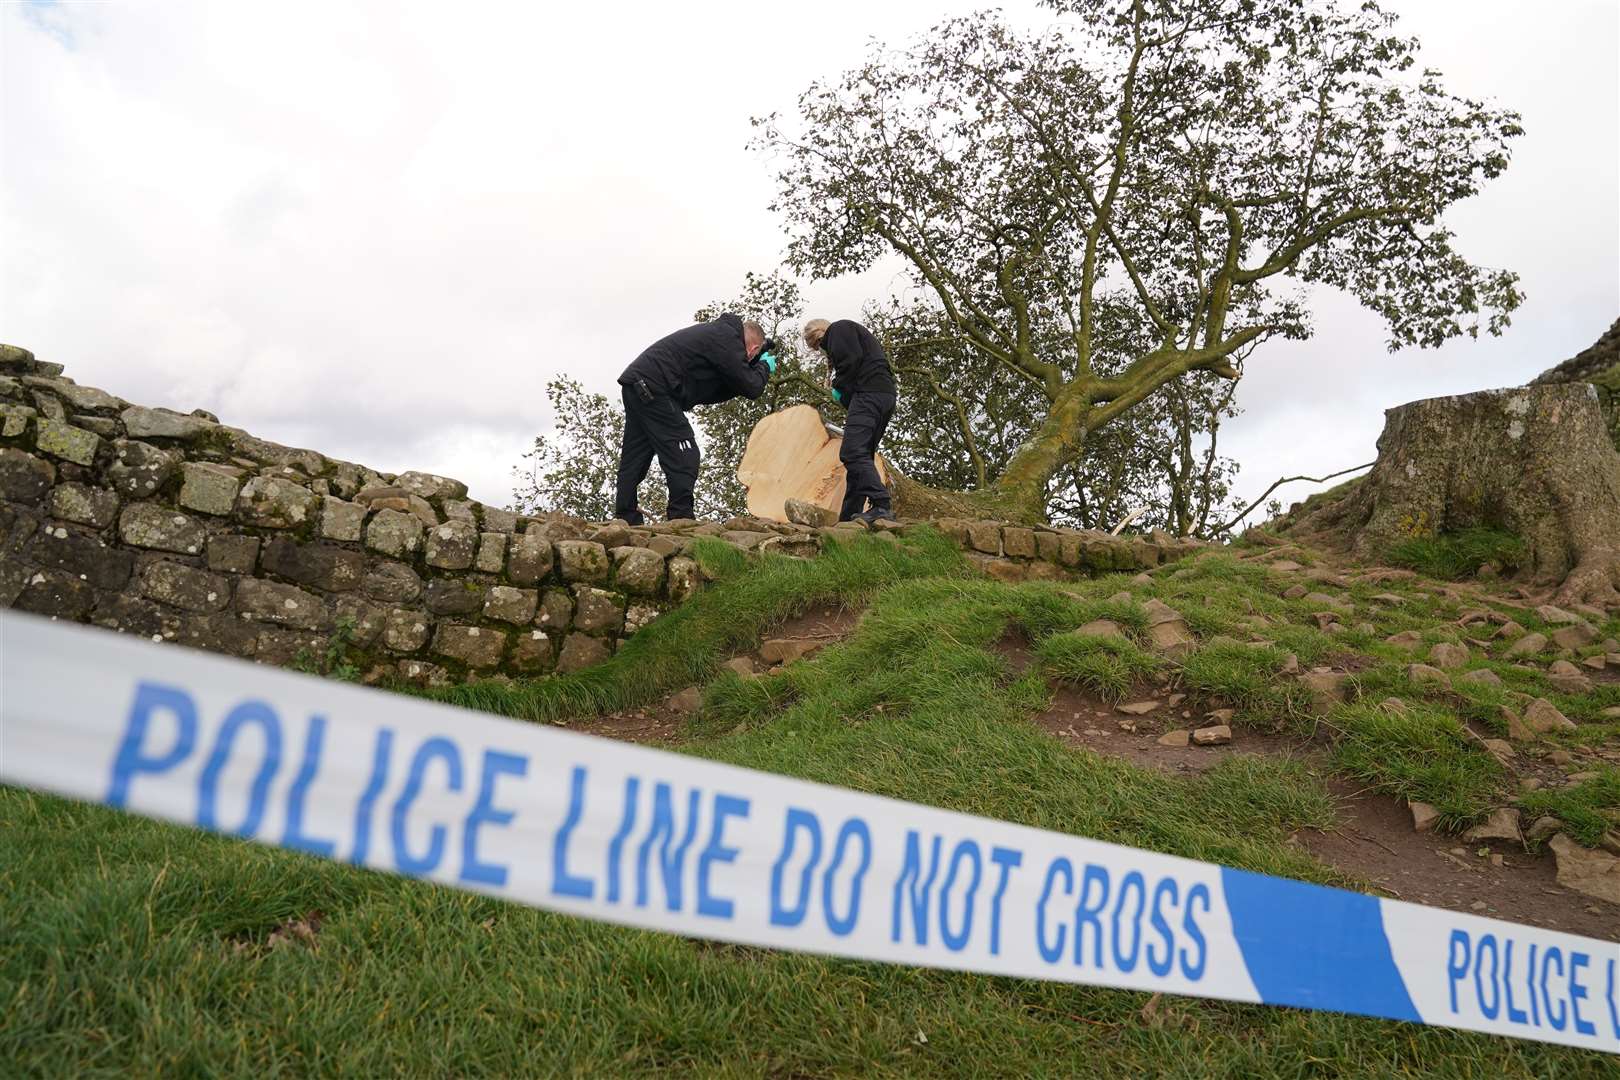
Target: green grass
1580,806
130,947
1460,554
1108,667
1247,677
1419,755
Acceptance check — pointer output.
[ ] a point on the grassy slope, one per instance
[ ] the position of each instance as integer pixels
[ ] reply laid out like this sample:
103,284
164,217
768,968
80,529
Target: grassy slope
131,946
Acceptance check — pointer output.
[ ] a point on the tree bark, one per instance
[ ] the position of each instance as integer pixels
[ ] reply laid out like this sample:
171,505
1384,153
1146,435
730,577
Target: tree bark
1536,462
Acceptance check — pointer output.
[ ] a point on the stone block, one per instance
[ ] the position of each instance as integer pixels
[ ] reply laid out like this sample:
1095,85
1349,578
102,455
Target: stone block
364,620
638,571
475,646
533,654
455,596
185,587
1049,546
597,611
49,405
530,559
24,478
406,631
581,651
283,647
422,673
284,605
149,525
233,554
501,521
341,520
583,561
637,616
14,419
84,505
985,536
556,610
491,557
143,423
683,578
460,510
395,533
509,605
453,545
56,593
320,566
221,632
431,487
1018,542
63,440
391,583
87,399
272,502
139,471
208,488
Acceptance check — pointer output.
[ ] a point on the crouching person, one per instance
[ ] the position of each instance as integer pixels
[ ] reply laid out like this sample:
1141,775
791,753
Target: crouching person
700,365
863,383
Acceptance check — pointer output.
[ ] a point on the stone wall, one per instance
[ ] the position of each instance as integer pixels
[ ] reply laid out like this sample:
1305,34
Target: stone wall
180,528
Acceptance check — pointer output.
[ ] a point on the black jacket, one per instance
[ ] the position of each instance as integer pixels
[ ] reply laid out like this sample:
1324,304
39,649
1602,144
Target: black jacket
700,365
858,361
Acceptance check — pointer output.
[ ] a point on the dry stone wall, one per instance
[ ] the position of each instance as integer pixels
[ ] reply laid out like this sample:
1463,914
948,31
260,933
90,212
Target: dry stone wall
180,528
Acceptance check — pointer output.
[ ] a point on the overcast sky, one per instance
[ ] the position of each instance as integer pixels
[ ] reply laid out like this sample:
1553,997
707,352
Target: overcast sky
377,229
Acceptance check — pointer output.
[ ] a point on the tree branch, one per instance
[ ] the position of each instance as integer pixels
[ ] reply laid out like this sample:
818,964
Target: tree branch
1219,529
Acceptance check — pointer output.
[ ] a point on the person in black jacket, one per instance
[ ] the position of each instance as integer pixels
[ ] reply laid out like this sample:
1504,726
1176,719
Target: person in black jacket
863,384
700,365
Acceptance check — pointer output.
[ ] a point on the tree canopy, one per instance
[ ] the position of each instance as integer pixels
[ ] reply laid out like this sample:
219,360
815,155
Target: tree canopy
1178,168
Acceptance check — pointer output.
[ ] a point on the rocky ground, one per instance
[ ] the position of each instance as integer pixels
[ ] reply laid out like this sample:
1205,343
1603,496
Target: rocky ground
1466,648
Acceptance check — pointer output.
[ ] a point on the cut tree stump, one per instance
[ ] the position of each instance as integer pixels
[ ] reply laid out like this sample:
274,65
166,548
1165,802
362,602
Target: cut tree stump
793,454
1534,461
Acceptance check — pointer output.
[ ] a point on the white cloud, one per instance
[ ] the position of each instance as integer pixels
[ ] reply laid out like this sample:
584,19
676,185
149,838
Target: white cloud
379,229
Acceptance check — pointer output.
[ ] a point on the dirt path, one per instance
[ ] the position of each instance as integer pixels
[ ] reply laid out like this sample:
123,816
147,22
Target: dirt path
1376,843
1374,840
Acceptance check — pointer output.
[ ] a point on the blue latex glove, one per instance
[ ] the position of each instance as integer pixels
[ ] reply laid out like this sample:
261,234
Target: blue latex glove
838,396
769,361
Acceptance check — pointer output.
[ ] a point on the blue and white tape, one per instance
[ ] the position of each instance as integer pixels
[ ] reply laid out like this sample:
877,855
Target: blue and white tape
637,836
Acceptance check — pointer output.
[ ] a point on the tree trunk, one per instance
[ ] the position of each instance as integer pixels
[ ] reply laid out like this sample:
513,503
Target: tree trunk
1536,462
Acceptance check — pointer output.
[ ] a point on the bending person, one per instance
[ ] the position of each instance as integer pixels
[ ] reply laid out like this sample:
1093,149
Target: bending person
863,384
700,365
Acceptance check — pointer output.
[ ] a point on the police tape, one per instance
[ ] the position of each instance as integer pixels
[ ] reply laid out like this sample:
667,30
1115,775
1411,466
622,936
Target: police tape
642,837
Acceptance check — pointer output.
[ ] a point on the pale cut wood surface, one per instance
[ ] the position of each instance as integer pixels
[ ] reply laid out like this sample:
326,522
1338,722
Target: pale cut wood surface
792,455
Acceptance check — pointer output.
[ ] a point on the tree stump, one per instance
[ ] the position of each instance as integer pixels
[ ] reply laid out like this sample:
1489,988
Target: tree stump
1536,462
793,454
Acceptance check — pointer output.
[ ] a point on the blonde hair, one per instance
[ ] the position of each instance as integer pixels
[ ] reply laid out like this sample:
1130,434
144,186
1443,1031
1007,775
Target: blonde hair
818,327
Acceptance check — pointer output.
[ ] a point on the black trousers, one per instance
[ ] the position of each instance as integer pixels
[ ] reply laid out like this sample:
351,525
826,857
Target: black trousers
655,425
868,419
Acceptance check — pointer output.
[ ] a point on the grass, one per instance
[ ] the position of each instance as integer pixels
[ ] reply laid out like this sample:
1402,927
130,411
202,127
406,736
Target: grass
127,946
1420,754
1106,666
1454,556
1580,806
